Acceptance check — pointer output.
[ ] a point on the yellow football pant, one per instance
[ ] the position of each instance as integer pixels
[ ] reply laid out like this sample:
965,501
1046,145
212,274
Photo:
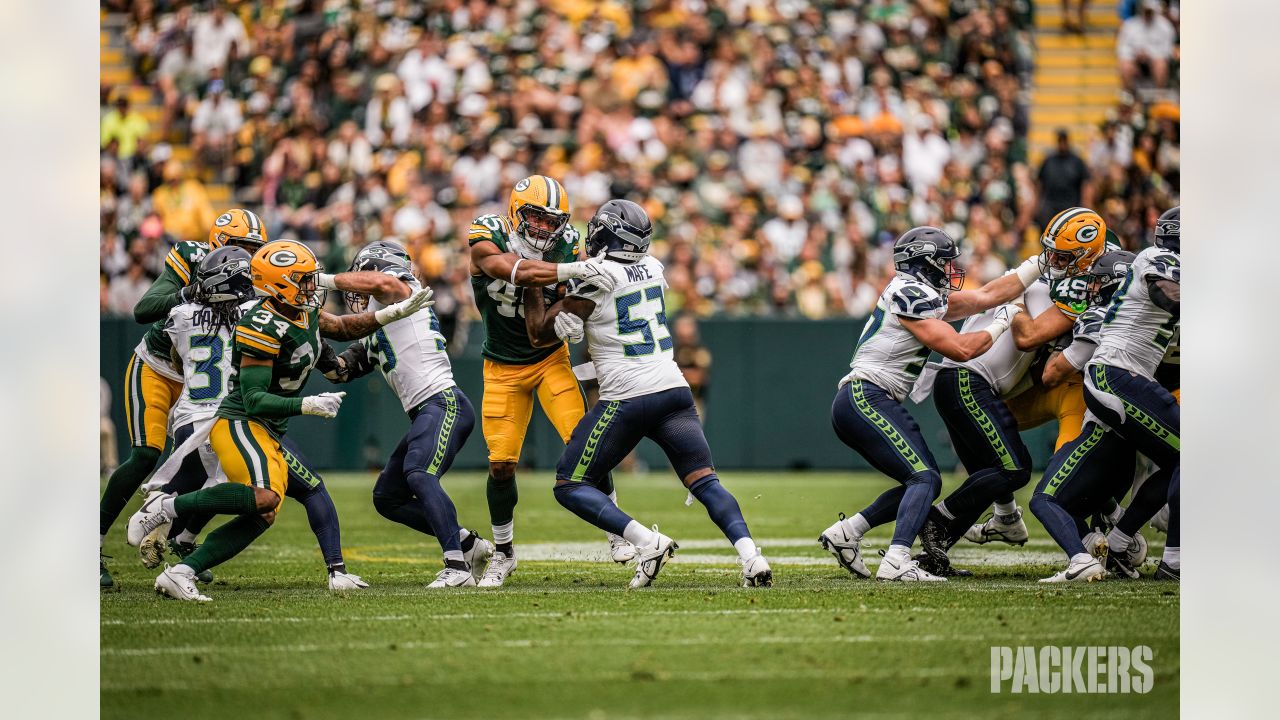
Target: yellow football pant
507,406
250,455
148,398
1039,405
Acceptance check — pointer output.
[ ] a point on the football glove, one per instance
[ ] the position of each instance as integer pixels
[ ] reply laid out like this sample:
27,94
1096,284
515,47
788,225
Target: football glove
590,272
324,405
417,301
569,327
333,367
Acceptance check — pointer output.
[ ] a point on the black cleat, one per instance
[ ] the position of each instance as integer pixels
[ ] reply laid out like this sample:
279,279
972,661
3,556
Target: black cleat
940,567
1164,572
105,581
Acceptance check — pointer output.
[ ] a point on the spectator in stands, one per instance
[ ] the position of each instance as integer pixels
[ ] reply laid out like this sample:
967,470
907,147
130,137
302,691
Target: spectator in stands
218,36
1064,181
216,121
124,291
108,454
183,204
694,360
124,126
1146,43
388,118
178,76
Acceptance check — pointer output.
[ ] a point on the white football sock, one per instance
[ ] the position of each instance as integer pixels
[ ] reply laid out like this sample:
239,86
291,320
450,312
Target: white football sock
503,533
183,568
856,526
746,548
1117,540
166,507
639,535
1006,508
898,554
1081,557
186,536
1173,557
942,508
455,555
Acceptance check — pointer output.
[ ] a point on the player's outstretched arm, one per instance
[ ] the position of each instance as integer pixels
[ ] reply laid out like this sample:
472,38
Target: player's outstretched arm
383,287
939,336
488,259
1030,333
166,293
963,303
352,327
547,326
1057,371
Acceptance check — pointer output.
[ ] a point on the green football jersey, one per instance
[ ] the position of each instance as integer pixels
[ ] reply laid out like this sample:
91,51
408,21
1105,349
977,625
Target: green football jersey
293,347
180,266
500,303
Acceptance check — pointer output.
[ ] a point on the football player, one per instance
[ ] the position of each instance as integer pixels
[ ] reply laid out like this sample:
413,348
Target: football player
909,321
1071,242
201,332
276,345
152,382
533,245
1087,472
642,393
411,354
1120,385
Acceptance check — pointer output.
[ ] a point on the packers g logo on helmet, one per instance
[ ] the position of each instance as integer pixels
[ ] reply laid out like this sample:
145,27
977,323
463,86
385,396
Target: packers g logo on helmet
238,227
1073,239
539,211
285,270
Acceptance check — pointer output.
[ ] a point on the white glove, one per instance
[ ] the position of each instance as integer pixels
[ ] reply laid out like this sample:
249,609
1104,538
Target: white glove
324,405
591,272
417,301
1005,313
569,327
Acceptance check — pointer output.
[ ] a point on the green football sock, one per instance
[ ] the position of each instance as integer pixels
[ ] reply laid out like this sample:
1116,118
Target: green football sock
226,542
502,498
124,482
221,499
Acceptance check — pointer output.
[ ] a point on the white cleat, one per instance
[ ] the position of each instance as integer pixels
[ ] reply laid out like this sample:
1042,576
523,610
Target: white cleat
620,550
1160,523
649,560
1095,543
1007,529
756,572
339,581
904,571
179,585
149,519
151,549
499,569
479,554
1081,571
847,549
1127,561
453,578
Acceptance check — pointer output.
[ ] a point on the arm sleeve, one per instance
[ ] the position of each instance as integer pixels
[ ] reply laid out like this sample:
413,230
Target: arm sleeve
160,298
1079,352
254,381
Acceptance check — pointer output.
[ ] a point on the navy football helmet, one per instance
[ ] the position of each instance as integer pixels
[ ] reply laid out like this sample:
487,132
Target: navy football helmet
1168,230
387,256
928,254
621,230
1107,274
224,277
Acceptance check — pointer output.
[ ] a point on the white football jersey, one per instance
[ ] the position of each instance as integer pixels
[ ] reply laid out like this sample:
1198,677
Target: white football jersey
205,355
627,332
1084,337
887,353
1003,366
1136,333
162,366
411,352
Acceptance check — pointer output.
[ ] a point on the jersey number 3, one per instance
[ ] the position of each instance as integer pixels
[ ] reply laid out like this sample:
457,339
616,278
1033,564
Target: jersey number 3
207,364
633,318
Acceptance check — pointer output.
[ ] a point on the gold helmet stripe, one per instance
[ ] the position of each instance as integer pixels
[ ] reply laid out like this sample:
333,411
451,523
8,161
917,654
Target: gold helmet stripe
1056,225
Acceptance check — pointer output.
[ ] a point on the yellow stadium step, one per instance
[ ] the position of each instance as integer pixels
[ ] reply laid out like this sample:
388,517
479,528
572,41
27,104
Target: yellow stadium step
152,113
139,95
1046,136
1077,59
1058,117
112,57
1054,41
1095,19
116,76
104,38
1070,97
1093,78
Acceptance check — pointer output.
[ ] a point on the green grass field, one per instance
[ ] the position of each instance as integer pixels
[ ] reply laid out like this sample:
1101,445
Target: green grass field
564,639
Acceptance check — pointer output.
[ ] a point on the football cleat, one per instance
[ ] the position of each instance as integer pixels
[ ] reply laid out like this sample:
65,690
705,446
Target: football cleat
846,548
649,560
149,519
1095,543
904,571
182,550
941,567
1125,563
933,542
151,550
104,575
179,585
479,554
1081,571
756,572
499,569
1006,528
620,550
1164,572
1160,523
453,578
339,580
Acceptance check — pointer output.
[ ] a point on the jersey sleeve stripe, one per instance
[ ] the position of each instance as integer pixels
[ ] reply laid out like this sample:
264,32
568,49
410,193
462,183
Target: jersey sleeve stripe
244,335
254,349
258,334
179,265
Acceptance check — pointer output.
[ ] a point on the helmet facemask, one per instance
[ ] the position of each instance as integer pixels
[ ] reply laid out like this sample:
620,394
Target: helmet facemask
541,227
1057,264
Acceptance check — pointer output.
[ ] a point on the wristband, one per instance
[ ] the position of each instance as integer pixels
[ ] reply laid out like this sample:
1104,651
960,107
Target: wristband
515,267
384,315
996,329
562,272
1029,271
325,280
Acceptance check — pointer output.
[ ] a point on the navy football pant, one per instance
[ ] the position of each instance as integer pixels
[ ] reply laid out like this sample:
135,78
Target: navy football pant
1082,476
871,421
408,490
985,436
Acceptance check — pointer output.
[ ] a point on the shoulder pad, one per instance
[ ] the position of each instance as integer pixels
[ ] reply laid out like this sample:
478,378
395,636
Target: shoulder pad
1089,325
1164,265
259,332
489,227
184,258
916,300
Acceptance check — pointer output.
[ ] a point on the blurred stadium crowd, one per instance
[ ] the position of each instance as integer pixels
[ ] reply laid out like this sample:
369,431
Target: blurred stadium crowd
780,145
